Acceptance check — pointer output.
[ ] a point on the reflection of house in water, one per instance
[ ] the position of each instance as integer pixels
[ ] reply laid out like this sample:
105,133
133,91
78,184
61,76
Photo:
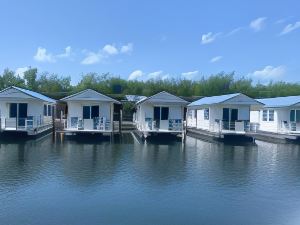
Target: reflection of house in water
160,164
227,165
86,164
278,157
21,163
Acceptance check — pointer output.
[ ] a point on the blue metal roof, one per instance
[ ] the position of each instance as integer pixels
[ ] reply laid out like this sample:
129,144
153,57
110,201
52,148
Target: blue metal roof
35,95
213,99
280,101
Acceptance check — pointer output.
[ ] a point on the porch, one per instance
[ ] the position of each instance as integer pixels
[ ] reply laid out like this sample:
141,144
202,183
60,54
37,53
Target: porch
163,126
32,125
97,124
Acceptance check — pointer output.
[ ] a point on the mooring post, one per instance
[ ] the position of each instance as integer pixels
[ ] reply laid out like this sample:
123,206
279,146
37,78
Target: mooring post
120,119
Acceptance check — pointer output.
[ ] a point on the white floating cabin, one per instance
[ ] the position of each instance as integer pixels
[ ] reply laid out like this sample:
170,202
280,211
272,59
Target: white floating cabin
26,111
225,114
279,115
89,111
160,113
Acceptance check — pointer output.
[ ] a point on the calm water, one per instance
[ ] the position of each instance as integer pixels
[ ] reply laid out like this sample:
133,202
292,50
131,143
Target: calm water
126,182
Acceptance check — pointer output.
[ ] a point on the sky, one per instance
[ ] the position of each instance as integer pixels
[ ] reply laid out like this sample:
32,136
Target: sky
152,39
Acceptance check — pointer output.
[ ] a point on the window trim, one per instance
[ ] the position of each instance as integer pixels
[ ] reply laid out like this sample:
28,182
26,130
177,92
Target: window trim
206,114
266,117
90,111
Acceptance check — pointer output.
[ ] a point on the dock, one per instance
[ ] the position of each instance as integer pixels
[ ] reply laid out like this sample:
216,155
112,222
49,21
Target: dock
275,137
220,137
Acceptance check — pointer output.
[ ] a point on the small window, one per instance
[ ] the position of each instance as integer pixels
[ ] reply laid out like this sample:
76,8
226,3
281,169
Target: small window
49,110
164,113
297,116
195,113
271,115
206,114
13,110
265,115
292,116
95,111
86,113
45,110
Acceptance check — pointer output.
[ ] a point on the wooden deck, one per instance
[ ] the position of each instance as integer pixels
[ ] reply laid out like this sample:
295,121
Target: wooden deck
275,137
238,137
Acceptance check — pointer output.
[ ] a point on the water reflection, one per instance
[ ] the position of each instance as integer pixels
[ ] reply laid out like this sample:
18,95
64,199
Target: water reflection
86,164
160,163
227,165
156,181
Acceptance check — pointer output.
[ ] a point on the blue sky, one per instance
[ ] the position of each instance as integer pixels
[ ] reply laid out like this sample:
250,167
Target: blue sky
152,39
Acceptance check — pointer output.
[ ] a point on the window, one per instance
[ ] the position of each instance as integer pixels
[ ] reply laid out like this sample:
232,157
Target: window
49,110
206,114
292,116
164,113
90,112
45,110
86,113
195,113
271,115
265,115
13,110
95,111
295,116
268,115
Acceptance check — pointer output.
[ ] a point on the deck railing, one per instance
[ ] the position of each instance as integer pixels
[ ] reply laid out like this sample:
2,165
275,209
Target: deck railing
28,123
231,126
151,125
97,123
289,127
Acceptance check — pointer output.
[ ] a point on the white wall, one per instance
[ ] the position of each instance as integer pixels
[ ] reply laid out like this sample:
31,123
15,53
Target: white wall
201,122
191,118
75,108
35,108
145,110
216,113
269,126
255,116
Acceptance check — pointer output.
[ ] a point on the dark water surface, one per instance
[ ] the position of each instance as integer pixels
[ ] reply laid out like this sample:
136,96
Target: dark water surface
127,182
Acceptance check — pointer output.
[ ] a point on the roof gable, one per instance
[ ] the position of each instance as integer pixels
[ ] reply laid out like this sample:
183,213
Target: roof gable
232,99
89,95
16,92
163,97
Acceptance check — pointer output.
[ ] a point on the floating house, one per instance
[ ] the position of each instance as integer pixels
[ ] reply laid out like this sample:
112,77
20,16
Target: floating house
89,112
279,115
221,115
26,111
160,113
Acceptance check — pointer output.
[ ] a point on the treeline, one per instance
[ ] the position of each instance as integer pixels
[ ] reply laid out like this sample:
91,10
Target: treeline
56,86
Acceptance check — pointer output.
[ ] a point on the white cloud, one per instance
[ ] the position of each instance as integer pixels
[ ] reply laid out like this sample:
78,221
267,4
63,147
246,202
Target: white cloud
92,58
158,75
127,48
110,50
234,31
106,52
269,72
290,27
66,54
216,59
42,55
20,71
257,24
135,75
209,38
190,75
